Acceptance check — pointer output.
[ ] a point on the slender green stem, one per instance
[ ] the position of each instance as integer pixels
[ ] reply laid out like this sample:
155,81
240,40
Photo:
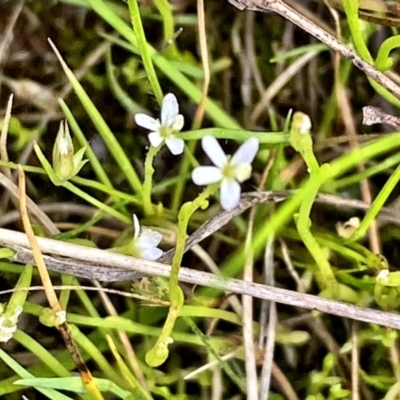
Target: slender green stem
325,277
99,204
144,49
377,205
159,353
165,9
148,181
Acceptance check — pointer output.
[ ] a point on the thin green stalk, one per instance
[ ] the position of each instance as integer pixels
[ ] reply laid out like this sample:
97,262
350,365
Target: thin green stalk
96,355
144,49
165,9
107,135
377,205
215,112
351,9
159,353
356,178
241,135
148,181
41,353
99,204
325,277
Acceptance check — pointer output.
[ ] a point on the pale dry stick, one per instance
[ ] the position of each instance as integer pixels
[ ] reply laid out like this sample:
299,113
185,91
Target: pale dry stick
246,86
8,35
211,364
289,266
247,316
85,374
276,86
34,210
3,136
121,293
251,54
112,261
130,352
198,118
355,364
281,8
210,264
217,385
268,308
268,362
284,383
69,208
303,10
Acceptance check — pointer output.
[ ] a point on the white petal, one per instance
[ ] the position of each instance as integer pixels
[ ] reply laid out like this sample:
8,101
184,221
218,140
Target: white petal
148,239
136,226
177,125
242,172
214,151
151,254
206,175
147,122
169,109
155,139
230,194
246,152
175,145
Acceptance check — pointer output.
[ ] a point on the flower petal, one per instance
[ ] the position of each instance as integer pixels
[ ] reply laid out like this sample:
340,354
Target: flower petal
246,152
169,109
206,175
136,226
155,139
148,239
147,122
152,254
177,125
214,151
175,145
230,194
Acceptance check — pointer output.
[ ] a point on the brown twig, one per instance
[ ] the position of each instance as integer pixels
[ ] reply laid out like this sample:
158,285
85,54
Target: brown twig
110,260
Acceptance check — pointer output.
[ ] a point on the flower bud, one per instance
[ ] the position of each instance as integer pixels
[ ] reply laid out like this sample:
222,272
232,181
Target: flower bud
66,164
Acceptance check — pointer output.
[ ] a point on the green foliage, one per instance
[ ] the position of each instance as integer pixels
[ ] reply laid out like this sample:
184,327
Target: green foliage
163,331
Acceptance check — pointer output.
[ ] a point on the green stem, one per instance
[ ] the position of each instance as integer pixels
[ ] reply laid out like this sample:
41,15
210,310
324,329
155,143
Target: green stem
164,8
159,353
325,278
377,205
144,49
148,181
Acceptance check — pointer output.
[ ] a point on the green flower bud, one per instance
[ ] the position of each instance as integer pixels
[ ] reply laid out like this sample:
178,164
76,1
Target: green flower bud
50,318
66,164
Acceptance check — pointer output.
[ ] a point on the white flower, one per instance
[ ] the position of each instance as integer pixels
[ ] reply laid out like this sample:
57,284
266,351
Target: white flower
171,123
8,325
145,242
230,171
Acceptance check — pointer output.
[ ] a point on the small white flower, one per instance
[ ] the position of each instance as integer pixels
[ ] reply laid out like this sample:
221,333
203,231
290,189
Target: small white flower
171,123
145,242
230,171
8,325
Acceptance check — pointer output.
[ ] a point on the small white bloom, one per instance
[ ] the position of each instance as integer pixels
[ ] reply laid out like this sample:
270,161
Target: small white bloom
8,325
230,171
145,242
171,123
383,277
